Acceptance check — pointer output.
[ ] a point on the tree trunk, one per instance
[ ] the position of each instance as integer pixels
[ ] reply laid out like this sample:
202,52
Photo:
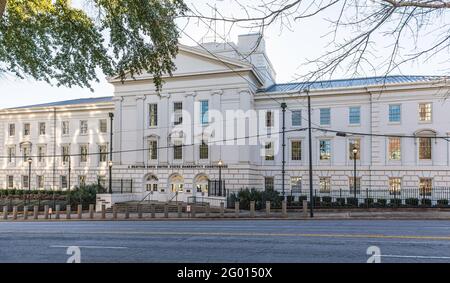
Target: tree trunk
2,7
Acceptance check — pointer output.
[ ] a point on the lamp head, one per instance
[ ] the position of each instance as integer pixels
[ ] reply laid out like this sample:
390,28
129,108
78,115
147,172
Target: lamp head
110,163
355,150
29,160
220,163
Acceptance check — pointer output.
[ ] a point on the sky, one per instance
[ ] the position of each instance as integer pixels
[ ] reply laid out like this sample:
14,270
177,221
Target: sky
287,48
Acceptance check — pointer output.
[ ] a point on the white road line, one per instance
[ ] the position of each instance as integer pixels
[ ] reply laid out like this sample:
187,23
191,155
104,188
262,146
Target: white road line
416,256
89,247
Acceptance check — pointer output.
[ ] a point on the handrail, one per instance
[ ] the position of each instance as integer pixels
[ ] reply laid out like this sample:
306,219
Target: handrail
150,193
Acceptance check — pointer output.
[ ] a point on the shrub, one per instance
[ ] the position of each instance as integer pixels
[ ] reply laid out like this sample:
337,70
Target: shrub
352,201
395,202
442,202
290,200
340,201
381,203
83,195
425,202
327,199
244,197
412,201
368,201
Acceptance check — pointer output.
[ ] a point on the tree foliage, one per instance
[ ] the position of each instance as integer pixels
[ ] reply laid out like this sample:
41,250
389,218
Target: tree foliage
55,42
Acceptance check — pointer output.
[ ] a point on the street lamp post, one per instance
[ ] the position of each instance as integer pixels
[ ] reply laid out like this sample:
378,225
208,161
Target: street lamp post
220,163
355,152
29,177
110,164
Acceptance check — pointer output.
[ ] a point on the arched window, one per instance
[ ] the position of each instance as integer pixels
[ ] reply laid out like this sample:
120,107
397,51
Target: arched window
151,183
176,183
201,183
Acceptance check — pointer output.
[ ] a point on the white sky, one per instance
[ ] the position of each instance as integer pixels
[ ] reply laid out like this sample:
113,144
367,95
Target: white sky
287,49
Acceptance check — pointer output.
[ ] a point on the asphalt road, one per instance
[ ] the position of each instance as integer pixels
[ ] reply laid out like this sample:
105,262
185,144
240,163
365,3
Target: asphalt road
226,241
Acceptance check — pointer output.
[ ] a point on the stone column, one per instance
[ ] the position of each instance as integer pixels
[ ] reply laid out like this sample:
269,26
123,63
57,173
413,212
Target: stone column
91,211
45,211
5,212
180,210
57,211
139,209
222,209
207,208
283,209
252,208
103,211
236,209
35,212
25,212
68,211
305,208
15,212
80,211
268,208
166,210
114,208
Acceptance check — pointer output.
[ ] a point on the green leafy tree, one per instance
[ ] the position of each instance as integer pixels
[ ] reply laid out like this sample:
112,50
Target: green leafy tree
52,41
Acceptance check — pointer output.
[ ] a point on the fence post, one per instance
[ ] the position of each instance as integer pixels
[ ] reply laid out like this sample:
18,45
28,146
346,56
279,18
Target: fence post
57,209
152,210
180,210
45,211
252,208
91,211
15,212
367,197
80,211
139,208
25,212
222,209
103,211
121,186
305,208
114,211
283,209
35,212
207,210
268,208
127,212
166,210
5,212
236,209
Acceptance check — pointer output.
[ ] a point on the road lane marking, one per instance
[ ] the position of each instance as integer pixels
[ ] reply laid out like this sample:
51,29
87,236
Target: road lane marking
415,256
89,247
243,234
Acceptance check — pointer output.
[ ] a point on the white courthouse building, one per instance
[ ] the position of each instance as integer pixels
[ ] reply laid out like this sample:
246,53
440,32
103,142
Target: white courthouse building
223,104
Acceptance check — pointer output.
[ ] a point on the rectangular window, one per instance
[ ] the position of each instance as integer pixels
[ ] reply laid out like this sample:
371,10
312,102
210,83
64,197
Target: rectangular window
83,127
204,150
351,186
296,118
395,152
269,119
26,129
152,149
65,152
64,182
178,113
268,183
103,126
26,151
204,108
153,115
84,149
82,180
425,148
395,186
425,186
269,151
103,152
296,184
40,182
65,128
25,181
394,113
354,144
178,152
12,130
325,149
296,150
424,112
325,184
11,154
10,182
354,115
325,116
42,128
41,153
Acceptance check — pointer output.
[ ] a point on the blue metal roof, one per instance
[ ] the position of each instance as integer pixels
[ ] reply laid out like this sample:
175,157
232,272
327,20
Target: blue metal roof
91,100
368,81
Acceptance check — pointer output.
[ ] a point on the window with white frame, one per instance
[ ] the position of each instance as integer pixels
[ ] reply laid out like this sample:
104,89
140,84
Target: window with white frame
351,186
204,108
10,182
354,115
394,148
354,144
296,118
394,113
103,126
41,128
204,148
40,181
65,128
425,186
268,183
103,152
11,154
153,115
425,112
325,116
152,149
41,151
26,152
395,186
269,151
296,184
269,119
325,149
178,113
84,151
63,182
82,180
296,150
325,184
12,130
25,181
65,153
83,127
26,129
425,148
178,152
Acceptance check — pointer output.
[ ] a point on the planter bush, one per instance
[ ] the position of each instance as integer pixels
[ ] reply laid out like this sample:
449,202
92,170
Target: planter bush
340,201
326,199
368,201
442,202
412,201
425,202
380,203
352,202
316,201
395,202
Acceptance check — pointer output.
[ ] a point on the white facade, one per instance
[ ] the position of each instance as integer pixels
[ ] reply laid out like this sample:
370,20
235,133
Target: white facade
222,80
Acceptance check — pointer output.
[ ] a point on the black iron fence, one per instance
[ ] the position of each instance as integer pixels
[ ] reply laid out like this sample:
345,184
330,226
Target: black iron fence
122,186
216,189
